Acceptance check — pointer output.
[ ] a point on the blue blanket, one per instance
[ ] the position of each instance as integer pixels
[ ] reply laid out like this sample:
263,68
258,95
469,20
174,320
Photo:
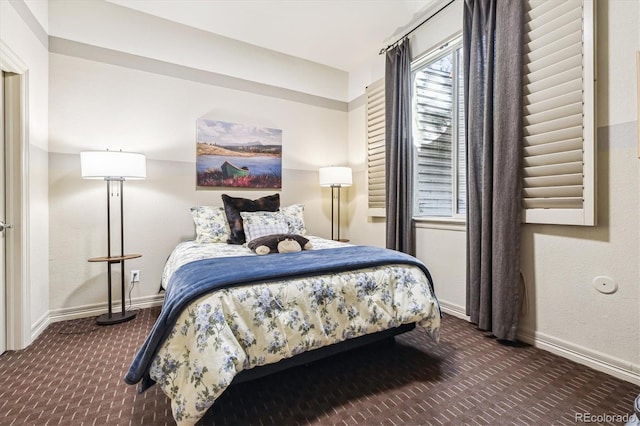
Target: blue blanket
195,279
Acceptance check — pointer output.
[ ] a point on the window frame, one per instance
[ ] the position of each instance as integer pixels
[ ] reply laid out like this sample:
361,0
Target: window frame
448,47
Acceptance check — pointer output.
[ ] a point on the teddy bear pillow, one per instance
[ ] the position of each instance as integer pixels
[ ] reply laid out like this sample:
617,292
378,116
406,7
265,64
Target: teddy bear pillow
279,243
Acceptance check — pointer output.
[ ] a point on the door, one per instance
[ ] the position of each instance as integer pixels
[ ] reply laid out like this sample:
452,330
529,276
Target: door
3,275
15,321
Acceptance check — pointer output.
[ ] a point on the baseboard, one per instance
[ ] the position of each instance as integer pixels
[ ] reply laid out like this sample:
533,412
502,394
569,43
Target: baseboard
39,326
454,310
615,367
96,309
598,361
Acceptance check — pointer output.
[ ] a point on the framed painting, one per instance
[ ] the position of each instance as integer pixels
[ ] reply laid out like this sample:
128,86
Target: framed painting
238,155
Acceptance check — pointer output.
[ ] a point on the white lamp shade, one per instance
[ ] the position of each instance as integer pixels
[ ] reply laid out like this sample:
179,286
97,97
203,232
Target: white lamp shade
335,176
113,165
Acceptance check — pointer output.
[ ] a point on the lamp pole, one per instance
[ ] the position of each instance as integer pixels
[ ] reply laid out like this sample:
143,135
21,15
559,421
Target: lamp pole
333,220
338,212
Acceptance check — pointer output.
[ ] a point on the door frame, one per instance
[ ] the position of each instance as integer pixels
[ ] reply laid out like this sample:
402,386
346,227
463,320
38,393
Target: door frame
18,303
3,234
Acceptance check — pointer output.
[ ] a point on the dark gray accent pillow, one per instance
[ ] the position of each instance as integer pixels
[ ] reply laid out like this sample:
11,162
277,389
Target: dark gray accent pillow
233,206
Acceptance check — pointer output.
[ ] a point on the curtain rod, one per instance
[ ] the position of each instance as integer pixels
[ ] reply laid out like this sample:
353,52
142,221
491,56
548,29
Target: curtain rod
384,49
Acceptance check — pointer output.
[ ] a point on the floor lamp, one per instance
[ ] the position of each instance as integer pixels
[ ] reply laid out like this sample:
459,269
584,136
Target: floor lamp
336,178
114,167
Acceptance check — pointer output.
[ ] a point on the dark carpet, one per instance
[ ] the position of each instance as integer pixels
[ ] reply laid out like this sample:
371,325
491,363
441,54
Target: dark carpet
72,375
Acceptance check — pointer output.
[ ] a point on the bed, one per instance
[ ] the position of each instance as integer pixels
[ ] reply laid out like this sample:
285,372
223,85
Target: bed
228,312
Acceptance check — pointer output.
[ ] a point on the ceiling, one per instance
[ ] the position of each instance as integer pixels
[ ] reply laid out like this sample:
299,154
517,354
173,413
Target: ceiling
339,33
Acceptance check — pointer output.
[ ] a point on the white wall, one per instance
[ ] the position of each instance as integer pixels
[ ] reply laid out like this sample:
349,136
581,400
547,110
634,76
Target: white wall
23,39
564,313
116,103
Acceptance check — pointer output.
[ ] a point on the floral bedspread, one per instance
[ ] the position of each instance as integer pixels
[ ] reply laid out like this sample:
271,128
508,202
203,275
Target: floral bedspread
234,329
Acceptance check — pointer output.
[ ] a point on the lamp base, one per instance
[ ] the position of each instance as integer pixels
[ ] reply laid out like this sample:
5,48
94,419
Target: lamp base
115,318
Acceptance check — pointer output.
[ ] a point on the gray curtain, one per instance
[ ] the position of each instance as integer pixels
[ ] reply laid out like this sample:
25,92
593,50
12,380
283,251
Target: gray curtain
492,38
399,161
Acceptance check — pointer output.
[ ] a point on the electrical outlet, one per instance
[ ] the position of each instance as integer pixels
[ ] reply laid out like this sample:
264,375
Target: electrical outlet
135,276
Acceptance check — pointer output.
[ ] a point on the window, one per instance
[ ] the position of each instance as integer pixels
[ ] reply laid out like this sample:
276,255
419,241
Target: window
438,134
559,122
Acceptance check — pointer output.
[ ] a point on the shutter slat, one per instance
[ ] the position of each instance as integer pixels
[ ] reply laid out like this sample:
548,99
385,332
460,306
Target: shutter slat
377,193
553,147
555,158
562,180
553,191
377,200
557,203
555,136
553,169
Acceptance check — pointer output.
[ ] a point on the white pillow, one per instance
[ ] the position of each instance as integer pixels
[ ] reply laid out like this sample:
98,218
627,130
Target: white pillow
294,217
211,224
259,224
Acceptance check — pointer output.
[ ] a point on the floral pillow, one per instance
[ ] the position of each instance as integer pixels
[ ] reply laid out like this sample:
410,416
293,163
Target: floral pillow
259,224
211,224
294,217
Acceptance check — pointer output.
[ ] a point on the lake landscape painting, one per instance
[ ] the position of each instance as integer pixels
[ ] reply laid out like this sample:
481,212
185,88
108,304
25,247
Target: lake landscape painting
238,155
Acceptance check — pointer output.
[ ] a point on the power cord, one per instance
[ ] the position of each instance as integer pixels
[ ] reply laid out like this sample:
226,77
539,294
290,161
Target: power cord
131,285
525,301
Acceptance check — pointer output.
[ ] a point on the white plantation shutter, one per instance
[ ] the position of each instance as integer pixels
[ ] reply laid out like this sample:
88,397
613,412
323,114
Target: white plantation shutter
559,124
375,149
